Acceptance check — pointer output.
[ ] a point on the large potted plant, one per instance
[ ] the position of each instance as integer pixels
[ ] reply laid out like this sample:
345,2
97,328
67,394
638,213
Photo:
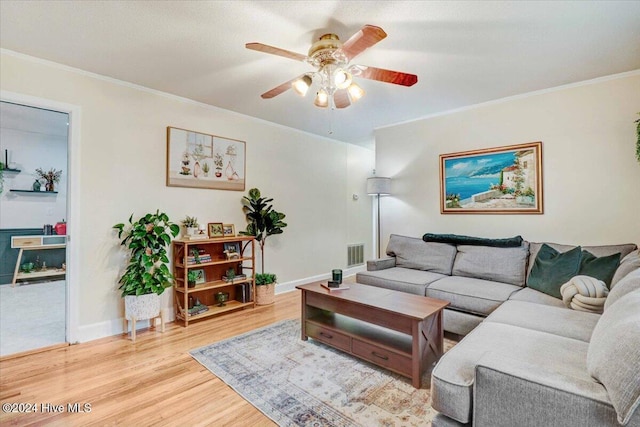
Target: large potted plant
147,274
263,221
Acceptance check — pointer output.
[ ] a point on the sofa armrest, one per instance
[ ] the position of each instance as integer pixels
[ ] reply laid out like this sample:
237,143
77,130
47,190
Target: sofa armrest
381,264
510,392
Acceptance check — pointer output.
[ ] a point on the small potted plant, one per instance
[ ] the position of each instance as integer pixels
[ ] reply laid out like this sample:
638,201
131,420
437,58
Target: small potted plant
192,276
205,168
51,178
218,161
147,274
191,225
265,288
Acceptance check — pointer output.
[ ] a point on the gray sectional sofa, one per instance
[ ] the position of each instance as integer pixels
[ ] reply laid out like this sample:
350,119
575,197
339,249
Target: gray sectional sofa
526,359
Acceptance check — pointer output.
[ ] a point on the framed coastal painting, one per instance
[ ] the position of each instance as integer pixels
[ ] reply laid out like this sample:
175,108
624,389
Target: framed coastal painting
200,160
501,180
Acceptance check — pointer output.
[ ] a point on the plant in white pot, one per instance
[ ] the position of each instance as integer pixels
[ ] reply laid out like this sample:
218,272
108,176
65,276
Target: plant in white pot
147,274
191,225
263,221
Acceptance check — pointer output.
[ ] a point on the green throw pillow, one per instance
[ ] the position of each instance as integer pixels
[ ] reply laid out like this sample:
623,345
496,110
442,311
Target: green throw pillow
552,269
602,268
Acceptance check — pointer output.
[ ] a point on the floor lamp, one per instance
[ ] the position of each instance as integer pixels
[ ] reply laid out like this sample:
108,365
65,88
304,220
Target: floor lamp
378,186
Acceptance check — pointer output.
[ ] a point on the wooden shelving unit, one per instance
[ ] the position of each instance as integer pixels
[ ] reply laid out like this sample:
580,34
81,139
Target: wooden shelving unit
213,270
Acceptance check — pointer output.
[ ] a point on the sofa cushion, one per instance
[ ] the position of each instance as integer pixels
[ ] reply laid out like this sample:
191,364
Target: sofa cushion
627,285
552,269
627,265
544,318
414,253
471,295
399,279
453,376
531,295
613,357
598,251
602,268
455,239
506,265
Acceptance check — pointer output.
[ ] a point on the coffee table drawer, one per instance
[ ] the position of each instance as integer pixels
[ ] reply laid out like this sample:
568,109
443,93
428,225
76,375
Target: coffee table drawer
328,336
381,356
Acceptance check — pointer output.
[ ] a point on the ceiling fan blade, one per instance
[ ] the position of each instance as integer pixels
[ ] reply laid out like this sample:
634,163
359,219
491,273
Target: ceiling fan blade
362,40
276,51
341,98
279,89
387,76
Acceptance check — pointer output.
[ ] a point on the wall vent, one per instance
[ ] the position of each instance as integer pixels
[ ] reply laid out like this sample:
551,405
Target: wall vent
355,254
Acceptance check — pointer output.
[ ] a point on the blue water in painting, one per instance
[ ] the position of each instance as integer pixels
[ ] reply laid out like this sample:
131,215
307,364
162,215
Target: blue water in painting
467,187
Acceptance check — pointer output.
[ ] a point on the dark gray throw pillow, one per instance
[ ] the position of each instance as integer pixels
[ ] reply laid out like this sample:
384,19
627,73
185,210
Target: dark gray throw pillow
455,239
602,268
552,269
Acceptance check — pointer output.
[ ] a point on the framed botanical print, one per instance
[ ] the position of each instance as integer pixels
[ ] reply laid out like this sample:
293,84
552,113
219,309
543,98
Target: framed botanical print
201,160
215,229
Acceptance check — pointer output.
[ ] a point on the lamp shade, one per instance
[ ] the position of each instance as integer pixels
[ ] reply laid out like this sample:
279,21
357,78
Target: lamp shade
377,186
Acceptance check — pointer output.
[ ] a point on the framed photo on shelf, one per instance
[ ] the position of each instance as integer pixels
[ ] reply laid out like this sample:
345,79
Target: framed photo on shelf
229,230
501,180
215,229
200,160
200,276
232,247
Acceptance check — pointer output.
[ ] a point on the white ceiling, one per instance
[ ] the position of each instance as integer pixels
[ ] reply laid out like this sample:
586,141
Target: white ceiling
464,53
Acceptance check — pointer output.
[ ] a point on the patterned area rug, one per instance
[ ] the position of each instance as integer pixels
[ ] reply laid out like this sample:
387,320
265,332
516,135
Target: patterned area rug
305,383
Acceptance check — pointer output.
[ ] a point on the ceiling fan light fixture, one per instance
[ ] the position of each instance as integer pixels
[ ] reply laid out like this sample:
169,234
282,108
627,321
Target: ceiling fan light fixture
355,92
322,99
301,85
342,78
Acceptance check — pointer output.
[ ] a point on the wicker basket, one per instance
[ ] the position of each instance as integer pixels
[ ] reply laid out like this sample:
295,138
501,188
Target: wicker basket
265,294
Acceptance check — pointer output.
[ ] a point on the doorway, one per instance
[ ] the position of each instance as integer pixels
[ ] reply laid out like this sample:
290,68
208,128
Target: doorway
34,291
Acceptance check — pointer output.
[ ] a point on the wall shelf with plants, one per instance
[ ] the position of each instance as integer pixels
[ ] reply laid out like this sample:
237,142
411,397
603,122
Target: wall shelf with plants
33,191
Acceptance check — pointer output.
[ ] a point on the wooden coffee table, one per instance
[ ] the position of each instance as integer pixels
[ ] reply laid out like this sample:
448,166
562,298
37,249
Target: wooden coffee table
399,331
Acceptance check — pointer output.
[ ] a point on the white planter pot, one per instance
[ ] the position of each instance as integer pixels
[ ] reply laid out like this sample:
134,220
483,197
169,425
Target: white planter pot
192,231
141,307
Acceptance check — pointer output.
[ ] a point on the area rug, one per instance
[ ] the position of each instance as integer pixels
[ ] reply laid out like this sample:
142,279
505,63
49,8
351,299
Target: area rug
305,383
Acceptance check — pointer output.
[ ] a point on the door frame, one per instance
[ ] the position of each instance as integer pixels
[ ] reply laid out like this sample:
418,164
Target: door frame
73,200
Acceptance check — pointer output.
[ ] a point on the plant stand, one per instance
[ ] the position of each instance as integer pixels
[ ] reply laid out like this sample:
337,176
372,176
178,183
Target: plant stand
142,307
152,324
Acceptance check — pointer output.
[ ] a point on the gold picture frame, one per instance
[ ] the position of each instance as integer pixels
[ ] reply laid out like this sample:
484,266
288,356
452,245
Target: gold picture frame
501,180
215,230
229,230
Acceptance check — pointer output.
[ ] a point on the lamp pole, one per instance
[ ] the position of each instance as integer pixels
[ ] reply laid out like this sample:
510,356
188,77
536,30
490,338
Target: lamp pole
378,186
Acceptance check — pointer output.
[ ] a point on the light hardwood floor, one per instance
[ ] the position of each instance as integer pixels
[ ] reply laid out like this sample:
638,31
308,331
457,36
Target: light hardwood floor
153,381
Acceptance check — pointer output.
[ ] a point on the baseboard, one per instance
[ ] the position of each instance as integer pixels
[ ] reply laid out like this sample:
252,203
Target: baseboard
115,327
291,286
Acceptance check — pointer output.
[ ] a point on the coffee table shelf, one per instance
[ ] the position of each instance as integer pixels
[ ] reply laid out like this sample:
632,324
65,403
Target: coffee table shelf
396,330
377,335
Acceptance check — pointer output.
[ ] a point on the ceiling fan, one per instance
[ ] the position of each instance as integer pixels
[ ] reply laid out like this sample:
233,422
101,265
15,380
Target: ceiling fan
333,75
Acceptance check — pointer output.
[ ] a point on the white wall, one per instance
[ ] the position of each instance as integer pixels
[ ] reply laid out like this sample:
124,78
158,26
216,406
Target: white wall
591,177
31,150
122,170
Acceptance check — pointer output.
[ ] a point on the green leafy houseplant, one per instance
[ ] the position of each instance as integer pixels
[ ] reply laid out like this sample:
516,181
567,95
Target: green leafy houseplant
263,279
192,276
263,221
190,222
638,141
147,240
